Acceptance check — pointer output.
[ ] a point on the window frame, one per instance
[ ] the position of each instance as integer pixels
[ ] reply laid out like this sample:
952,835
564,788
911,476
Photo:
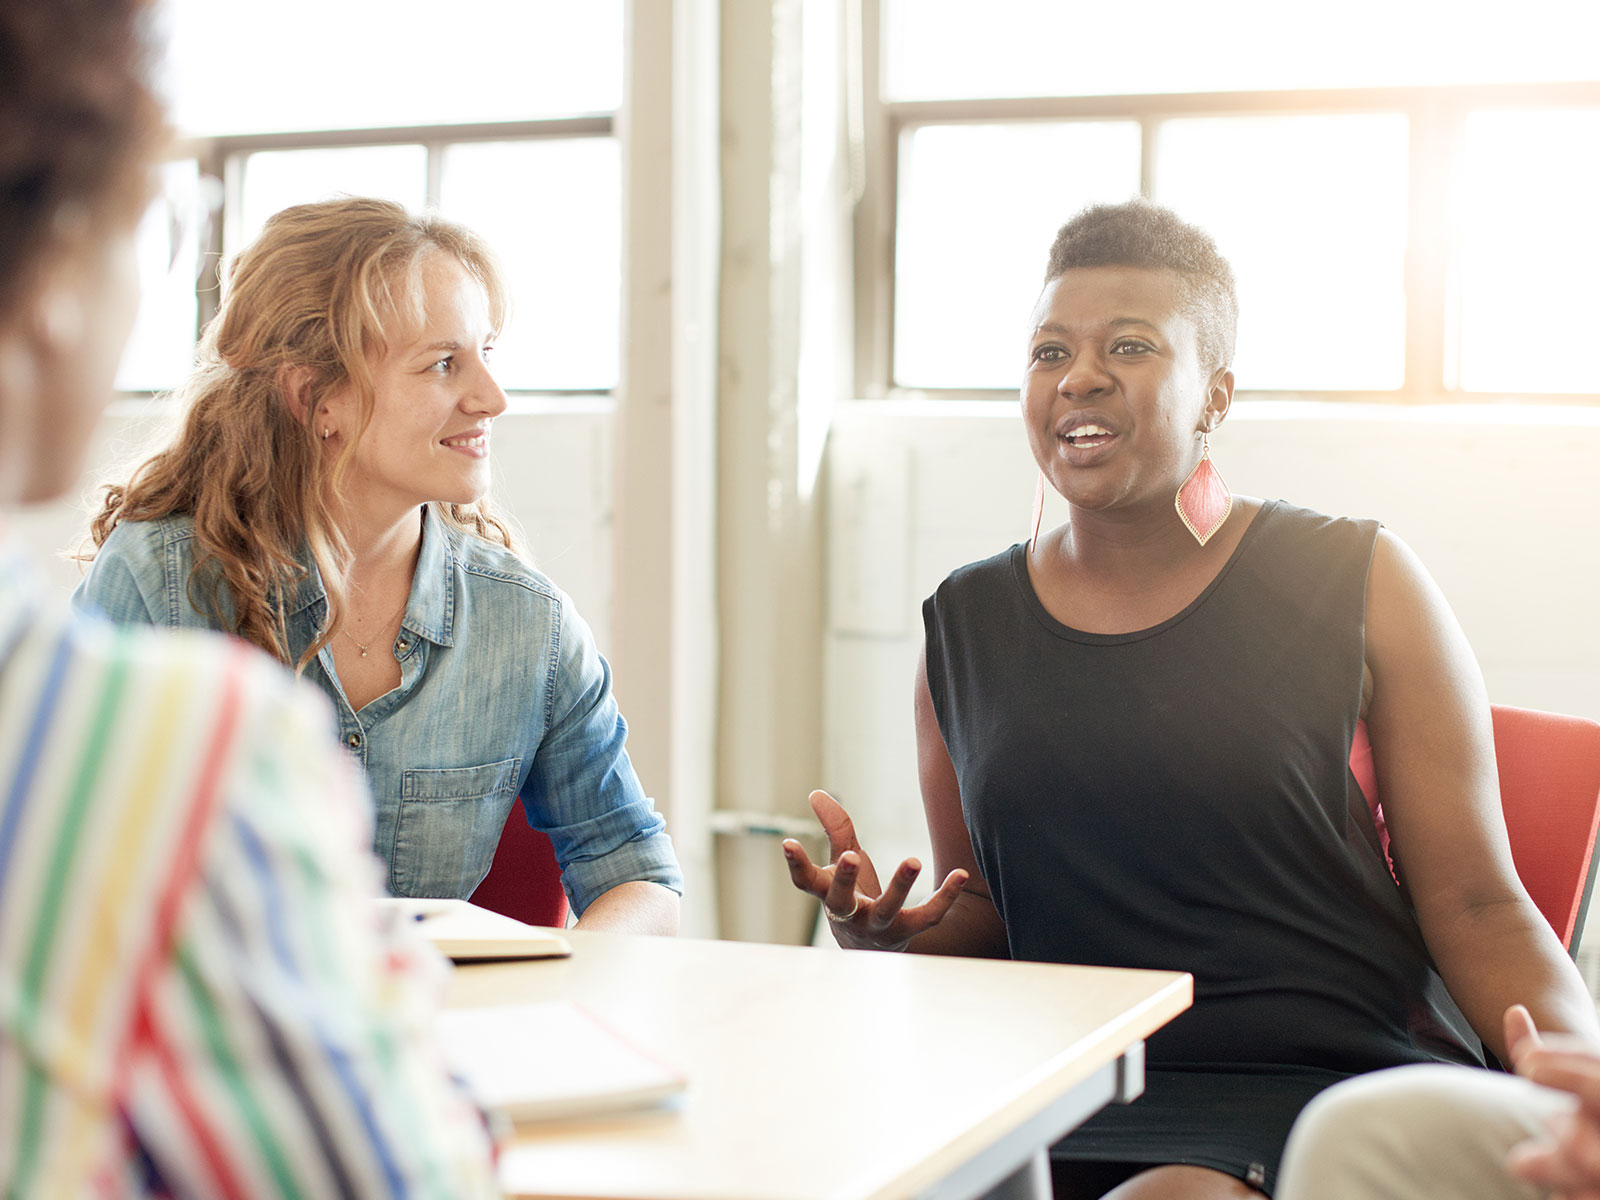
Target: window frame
1436,116
222,157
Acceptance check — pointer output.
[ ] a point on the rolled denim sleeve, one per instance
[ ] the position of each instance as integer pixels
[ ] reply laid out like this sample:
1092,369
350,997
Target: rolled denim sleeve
582,790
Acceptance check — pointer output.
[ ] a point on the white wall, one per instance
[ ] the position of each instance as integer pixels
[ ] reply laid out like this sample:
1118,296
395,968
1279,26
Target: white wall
1500,504
552,469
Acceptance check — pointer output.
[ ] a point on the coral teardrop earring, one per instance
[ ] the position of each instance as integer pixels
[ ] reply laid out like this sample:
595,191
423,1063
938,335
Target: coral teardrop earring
1038,511
1204,501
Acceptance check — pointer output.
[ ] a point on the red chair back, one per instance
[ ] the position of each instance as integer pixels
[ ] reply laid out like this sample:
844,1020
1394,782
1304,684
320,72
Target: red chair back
524,880
1550,793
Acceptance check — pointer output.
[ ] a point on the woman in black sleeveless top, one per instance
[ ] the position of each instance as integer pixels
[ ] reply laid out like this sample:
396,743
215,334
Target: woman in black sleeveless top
1134,734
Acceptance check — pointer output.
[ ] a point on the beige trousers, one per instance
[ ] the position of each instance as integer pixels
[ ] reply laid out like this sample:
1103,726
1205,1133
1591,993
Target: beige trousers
1416,1133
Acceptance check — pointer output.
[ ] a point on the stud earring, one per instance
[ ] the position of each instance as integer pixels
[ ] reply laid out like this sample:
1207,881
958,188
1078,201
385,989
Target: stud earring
1204,501
326,434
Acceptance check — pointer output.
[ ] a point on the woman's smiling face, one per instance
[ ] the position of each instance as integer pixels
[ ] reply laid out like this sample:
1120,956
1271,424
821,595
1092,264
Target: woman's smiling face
1114,395
434,400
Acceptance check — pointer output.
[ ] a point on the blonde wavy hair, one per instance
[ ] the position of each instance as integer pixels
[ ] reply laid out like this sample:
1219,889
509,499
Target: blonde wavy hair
311,299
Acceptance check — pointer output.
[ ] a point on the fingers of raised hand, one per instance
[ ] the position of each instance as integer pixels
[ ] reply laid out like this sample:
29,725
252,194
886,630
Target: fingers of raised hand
932,910
900,924
887,907
841,900
835,823
803,873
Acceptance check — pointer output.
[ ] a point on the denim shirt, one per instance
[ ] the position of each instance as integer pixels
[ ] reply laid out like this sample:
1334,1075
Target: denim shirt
502,693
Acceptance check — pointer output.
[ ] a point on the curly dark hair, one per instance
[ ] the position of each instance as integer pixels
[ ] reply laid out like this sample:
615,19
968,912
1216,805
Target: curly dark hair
80,124
1140,233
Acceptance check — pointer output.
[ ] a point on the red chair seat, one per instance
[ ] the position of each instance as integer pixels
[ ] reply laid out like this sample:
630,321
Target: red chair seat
524,880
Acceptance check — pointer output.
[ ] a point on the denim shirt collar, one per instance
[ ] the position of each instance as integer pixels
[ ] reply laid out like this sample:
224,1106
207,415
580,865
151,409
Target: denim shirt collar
430,611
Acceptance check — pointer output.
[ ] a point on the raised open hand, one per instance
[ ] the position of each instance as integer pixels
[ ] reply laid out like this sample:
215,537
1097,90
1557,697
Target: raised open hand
863,914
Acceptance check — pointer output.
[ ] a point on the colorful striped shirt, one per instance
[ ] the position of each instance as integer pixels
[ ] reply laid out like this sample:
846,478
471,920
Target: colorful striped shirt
197,997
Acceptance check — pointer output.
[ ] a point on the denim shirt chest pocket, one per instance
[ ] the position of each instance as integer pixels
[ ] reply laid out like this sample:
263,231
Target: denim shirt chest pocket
448,827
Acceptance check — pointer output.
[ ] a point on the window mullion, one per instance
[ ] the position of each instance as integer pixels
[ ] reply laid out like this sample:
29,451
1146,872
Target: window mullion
434,188
1149,130
213,161
874,219
1428,245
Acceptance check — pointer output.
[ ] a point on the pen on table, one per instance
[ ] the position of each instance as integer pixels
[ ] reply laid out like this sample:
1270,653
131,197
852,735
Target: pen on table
424,911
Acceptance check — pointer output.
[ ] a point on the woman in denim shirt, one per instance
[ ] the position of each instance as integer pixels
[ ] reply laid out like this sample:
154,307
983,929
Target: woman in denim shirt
326,501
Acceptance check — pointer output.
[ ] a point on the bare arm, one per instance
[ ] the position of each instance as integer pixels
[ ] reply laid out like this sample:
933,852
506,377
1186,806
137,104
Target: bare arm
958,919
1434,751
972,927
633,907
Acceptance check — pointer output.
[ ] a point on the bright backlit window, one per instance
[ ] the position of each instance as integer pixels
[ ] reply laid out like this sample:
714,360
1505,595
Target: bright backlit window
1406,191
497,112
308,65
946,49
978,207
171,243
1529,188
1319,250
271,180
551,209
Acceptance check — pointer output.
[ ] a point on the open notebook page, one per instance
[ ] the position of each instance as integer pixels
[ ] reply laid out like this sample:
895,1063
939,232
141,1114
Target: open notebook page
551,1059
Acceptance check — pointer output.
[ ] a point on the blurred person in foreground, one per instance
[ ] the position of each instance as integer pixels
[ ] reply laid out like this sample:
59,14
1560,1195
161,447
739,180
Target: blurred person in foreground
197,997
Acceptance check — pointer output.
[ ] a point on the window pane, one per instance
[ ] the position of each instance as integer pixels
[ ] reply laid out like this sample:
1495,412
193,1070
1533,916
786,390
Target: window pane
936,49
161,347
351,64
1311,212
978,208
1529,189
275,179
552,211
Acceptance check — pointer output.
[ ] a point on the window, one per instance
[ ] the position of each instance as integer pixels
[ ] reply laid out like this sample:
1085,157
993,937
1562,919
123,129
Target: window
173,239
1529,248
1296,218
964,281
499,113
552,209
1407,215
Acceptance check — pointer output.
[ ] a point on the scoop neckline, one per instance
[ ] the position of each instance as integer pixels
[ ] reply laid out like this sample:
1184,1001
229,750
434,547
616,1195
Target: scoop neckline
1019,569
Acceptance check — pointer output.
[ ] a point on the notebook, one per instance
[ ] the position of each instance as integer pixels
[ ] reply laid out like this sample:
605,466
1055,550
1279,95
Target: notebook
467,933
551,1059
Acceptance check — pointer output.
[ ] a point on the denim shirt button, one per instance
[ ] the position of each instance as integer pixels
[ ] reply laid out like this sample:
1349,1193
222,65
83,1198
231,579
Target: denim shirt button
353,741
402,646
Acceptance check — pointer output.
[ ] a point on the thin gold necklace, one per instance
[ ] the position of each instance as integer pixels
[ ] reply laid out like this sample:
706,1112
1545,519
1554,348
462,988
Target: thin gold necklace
364,646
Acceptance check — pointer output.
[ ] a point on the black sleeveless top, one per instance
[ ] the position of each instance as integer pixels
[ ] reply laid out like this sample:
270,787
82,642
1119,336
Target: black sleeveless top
1181,798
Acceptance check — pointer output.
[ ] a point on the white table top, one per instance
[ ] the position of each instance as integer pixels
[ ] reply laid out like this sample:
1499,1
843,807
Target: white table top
816,1074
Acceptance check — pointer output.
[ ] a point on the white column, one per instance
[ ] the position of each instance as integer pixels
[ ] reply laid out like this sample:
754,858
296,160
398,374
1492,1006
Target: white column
664,636
785,320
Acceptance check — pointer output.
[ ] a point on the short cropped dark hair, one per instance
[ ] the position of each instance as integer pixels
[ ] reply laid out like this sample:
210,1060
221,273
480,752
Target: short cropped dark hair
79,123
1142,234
